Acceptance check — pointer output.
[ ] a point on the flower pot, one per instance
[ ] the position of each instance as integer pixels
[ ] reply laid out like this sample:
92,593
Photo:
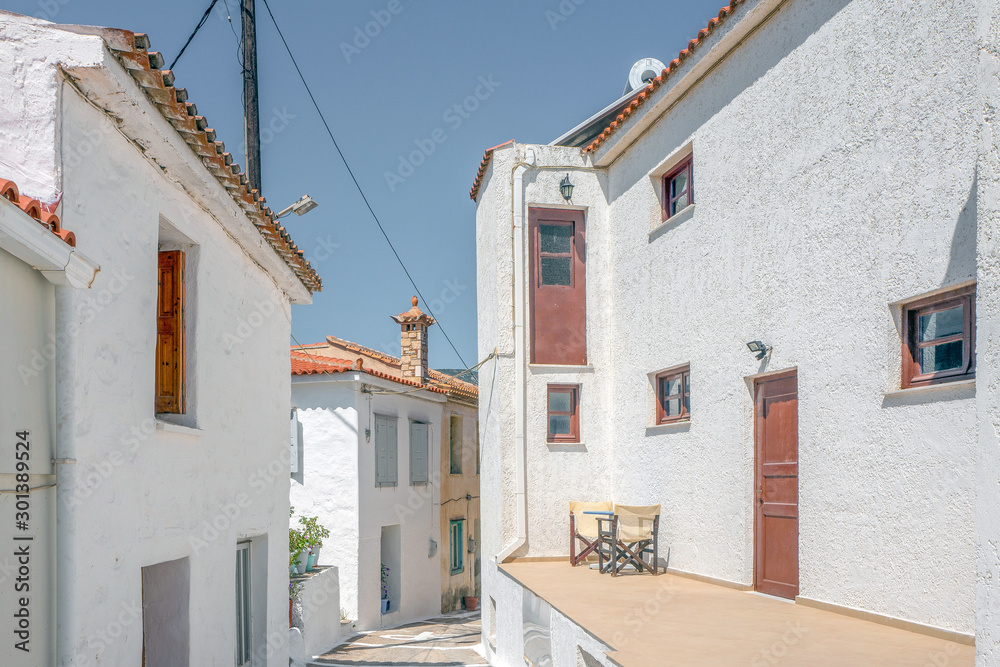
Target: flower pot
471,603
385,605
290,603
302,562
315,551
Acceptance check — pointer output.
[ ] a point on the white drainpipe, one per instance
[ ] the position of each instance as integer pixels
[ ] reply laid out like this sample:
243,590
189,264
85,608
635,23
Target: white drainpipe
520,472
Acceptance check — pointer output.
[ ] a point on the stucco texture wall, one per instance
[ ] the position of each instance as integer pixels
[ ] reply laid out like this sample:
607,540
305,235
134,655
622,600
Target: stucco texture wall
328,490
27,309
459,500
988,343
829,186
338,486
143,492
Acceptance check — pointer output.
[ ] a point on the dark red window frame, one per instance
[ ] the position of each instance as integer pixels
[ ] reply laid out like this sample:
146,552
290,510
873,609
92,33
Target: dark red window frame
672,205
911,369
684,373
574,412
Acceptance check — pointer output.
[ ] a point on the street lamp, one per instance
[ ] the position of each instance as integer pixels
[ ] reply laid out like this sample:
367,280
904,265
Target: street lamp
301,207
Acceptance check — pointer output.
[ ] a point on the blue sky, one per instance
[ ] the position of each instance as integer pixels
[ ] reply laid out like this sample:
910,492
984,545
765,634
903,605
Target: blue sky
550,64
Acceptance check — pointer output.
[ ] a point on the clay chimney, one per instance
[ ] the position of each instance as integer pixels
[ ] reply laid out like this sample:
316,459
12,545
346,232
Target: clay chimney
413,343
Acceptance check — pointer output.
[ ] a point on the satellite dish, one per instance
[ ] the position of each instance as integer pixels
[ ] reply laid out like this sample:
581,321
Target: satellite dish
642,73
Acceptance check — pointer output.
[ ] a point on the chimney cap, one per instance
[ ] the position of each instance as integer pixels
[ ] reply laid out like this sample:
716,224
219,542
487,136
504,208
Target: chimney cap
413,316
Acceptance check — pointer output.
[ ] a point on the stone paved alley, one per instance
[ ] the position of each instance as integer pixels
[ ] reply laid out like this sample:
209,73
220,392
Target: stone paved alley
452,640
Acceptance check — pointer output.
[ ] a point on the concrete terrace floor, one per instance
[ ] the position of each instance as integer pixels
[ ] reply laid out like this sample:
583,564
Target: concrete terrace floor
672,620
452,640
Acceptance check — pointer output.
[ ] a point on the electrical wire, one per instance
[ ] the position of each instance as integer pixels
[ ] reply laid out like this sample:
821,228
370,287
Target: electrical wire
196,29
356,183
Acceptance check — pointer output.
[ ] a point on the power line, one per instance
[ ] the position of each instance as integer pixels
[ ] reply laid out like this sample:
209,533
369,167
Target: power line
196,29
357,184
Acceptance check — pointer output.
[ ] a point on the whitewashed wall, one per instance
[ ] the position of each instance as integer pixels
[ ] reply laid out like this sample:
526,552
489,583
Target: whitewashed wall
829,185
27,307
328,413
988,343
339,487
144,491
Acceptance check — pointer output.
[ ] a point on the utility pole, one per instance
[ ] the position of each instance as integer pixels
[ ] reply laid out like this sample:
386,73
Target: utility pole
251,110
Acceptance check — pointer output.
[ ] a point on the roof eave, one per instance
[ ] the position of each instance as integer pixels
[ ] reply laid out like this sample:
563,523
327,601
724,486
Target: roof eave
712,47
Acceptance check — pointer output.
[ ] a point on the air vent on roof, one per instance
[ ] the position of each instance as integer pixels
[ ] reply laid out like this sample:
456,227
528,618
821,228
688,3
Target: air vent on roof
642,73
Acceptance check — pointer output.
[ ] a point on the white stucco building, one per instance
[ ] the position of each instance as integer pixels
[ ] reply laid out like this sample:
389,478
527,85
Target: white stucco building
144,358
369,468
819,177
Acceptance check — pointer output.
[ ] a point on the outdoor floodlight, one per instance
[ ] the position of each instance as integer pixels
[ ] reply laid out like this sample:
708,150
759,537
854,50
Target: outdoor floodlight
301,207
566,188
758,348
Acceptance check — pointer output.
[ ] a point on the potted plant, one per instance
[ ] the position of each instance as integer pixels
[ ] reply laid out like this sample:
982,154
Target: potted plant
385,589
314,534
471,601
298,551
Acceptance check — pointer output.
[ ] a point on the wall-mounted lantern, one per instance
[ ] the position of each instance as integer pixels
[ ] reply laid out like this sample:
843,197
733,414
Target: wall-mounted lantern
566,188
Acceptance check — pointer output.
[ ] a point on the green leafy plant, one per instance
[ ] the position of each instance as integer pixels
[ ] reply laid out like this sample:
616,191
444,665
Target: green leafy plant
314,533
385,582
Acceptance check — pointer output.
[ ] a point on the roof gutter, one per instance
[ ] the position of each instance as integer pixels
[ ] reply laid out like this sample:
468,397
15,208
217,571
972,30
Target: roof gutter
517,244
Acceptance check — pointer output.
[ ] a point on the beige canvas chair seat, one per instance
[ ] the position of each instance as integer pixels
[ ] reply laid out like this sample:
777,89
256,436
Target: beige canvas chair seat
584,527
634,530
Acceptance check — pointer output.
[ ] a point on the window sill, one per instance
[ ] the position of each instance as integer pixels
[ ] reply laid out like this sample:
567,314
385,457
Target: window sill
685,213
678,425
930,388
169,427
559,368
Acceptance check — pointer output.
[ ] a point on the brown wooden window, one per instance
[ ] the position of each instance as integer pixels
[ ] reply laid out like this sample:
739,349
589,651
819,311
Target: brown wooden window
678,188
939,338
563,414
170,347
673,395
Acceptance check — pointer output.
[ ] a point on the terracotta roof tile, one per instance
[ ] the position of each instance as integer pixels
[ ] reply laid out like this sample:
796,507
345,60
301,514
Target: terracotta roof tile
144,66
414,314
474,192
35,209
639,100
304,363
656,83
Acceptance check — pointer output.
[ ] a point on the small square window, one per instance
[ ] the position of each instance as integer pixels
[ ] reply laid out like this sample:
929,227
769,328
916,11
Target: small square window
678,188
563,414
673,395
939,338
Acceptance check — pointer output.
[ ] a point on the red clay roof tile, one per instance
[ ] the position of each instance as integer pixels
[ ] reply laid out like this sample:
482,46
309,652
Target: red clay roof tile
474,192
36,210
144,66
640,99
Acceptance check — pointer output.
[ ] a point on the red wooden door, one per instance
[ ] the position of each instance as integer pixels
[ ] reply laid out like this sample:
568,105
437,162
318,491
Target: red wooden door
776,484
558,287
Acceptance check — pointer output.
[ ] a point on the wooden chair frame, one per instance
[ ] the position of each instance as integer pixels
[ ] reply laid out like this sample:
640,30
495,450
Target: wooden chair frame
621,553
589,548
